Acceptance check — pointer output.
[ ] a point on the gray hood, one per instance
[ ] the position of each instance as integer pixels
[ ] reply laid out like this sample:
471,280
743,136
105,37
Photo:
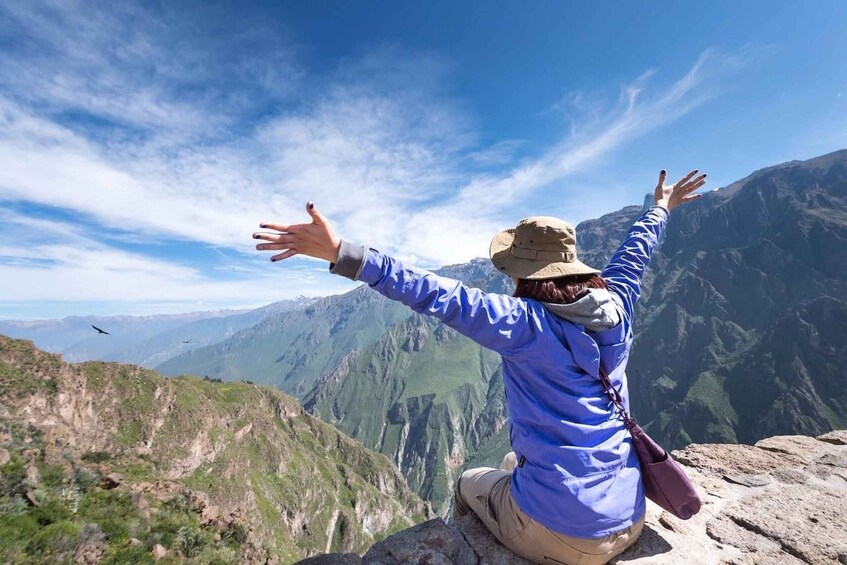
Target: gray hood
598,310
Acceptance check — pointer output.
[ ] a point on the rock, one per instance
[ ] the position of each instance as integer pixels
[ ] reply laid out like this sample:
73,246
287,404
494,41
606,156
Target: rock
209,515
140,502
90,552
802,448
158,551
33,477
780,502
432,542
729,533
333,559
31,499
673,523
748,480
719,459
837,437
485,546
135,542
110,481
790,476
784,519
834,460
4,456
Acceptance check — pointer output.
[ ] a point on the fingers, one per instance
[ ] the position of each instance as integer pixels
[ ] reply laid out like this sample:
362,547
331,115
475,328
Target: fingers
690,198
317,217
275,246
662,175
697,183
278,241
686,178
274,237
294,228
286,255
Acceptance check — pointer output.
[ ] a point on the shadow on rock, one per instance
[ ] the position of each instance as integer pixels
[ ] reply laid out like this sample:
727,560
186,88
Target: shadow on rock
649,543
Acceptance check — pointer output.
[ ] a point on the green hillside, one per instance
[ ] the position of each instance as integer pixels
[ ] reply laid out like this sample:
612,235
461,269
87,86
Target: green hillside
212,472
420,395
292,350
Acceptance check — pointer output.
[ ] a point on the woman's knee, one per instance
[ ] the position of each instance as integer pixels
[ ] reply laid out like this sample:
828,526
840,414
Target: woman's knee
510,461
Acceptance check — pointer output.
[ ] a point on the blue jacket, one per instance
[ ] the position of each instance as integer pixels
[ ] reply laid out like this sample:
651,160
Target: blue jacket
580,475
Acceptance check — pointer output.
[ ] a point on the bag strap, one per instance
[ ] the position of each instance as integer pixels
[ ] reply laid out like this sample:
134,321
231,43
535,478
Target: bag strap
616,398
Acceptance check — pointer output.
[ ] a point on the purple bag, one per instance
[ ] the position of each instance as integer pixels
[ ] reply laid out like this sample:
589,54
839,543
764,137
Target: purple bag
665,482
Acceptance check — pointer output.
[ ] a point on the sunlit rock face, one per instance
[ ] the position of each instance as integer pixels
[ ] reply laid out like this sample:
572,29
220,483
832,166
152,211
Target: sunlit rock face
780,501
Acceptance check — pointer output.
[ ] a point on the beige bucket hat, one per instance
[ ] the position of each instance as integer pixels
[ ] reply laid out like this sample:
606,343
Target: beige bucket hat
540,247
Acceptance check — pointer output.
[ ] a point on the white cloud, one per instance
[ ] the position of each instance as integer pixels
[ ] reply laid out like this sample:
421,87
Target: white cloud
463,226
56,261
109,115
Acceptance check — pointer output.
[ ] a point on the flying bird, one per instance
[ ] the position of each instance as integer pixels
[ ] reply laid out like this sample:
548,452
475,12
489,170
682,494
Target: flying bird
99,330
189,341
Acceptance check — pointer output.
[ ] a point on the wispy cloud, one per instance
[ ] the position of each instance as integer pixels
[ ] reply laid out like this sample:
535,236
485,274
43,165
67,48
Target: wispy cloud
109,114
56,261
463,225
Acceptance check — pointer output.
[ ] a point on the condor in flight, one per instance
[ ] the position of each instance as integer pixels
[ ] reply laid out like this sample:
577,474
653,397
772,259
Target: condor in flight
99,330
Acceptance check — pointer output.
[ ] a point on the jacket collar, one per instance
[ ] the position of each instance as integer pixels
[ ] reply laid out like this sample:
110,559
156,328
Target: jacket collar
597,311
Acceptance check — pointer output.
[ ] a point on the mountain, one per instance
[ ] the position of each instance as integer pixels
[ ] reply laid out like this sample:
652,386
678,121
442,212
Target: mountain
742,323
738,335
142,340
291,350
423,395
74,337
103,462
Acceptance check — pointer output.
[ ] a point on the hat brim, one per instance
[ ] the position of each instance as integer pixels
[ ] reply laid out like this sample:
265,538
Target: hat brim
530,269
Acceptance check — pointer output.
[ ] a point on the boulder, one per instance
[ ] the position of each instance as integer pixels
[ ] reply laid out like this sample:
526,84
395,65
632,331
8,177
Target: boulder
159,551
432,542
33,476
110,481
209,515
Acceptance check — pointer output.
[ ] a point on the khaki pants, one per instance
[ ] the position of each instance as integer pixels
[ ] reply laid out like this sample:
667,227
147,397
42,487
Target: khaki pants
487,492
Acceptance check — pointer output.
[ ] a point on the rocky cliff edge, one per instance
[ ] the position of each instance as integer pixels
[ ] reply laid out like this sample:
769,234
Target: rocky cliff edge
780,501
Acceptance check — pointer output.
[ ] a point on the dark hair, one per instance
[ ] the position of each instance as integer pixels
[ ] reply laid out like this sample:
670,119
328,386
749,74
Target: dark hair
561,290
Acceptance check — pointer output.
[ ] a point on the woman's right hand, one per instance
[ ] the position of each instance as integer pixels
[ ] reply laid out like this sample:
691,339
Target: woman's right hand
316,239
672,196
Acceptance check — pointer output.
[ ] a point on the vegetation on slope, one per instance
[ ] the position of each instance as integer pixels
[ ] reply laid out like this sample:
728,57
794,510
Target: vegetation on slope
226,472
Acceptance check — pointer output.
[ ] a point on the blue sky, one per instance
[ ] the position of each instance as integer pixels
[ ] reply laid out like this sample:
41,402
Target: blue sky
141,144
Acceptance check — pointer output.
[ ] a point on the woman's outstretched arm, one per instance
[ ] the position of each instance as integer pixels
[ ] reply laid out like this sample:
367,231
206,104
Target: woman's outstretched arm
499,322
625,270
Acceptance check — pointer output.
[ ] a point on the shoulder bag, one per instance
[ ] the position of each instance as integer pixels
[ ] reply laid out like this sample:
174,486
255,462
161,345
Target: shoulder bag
665,482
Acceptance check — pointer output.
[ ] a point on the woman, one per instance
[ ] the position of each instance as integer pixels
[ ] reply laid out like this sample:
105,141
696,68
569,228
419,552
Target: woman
570,492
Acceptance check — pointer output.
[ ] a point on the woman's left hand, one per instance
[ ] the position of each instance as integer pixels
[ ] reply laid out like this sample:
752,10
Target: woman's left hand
315,240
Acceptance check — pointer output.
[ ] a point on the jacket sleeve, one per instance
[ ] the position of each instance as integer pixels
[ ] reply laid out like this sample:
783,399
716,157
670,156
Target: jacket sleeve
625,270
495,321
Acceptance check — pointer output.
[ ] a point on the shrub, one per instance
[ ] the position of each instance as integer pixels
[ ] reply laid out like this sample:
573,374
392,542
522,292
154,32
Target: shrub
234,535
12,476
16,530
52,510
51,475
57,538
112,510
84,479
127,555
96,456
190,541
